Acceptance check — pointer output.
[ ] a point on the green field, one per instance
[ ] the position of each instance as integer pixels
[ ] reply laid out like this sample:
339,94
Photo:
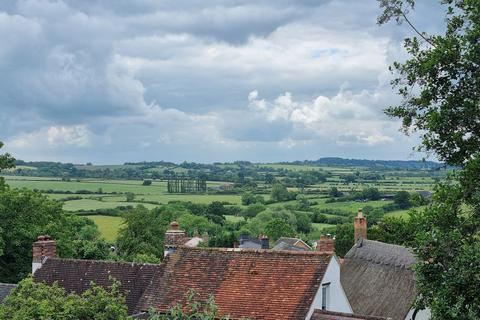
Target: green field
404,213
108,226
90,204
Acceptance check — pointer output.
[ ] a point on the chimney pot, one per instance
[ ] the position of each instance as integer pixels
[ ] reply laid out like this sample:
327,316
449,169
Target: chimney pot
174,225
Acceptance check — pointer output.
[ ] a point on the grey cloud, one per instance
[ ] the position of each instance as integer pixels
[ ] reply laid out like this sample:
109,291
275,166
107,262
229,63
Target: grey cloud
149,79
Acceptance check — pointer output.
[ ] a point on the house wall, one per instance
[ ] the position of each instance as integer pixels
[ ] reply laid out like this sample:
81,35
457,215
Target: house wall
421,315
337,300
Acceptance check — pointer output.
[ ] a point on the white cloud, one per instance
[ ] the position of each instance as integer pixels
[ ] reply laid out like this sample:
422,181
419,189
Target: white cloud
53,137
119,81
345,117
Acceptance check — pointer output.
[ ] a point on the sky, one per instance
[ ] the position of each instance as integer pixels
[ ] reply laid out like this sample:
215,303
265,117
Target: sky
201,80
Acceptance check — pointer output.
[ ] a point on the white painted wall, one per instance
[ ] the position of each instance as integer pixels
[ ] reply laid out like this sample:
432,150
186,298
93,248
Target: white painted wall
421,315
337,300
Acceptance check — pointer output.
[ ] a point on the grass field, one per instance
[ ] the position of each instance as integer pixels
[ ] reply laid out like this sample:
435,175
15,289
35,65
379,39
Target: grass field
90,204
351,206
108,226
404,213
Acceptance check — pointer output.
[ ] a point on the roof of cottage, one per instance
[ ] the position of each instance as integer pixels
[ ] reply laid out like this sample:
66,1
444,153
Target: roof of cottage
285,243
5,289
257,284
330,315
378,279
76,276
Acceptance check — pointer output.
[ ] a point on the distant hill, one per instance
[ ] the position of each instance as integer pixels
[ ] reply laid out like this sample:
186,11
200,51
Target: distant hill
378,164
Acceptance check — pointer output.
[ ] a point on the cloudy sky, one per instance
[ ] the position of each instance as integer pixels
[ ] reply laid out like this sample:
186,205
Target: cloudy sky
200,80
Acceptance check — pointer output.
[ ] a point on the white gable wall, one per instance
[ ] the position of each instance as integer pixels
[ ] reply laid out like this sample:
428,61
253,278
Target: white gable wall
337,300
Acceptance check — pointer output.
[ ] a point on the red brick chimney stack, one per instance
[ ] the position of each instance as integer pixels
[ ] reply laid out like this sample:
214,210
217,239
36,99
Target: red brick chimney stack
173,238
326,244
43,249
360,226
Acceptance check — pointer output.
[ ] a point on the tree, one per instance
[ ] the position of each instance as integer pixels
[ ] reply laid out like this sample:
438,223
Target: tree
33,300
147,182
277,228
279,192
252,210
6,162
440,89
129,196
24,215
250,198
440,83
143,233
334,192
304,222
344,239
402,199
371,194
194,309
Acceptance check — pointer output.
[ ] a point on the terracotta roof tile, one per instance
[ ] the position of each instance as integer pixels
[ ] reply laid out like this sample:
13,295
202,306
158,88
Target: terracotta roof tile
259,284
76,276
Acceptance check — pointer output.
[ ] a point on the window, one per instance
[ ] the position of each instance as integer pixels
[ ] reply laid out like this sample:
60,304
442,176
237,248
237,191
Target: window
325,295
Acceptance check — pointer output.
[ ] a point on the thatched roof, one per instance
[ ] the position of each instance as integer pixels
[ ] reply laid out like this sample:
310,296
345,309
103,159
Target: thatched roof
378,279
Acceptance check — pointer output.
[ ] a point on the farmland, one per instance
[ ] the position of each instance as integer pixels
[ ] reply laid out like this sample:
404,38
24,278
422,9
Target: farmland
89,189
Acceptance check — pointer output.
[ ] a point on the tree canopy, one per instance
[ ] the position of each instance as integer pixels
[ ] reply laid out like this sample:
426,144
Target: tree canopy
24,215
32,300
440,89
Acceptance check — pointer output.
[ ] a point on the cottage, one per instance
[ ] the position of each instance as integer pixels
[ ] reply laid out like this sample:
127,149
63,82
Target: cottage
378,277
258,284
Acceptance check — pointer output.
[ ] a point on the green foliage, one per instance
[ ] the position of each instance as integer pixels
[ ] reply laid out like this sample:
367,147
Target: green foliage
147,182
402,199
440,83
6,162
277,228
440,89
129,196
143,233
252,210
31,300
279,193
344,239
334,192
370,194
24,215
250,198
194,309
447,243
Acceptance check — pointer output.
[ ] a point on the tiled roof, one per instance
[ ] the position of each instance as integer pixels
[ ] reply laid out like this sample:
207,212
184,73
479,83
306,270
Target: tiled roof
76,276
378,279
330,315
257,284
285,243
5,289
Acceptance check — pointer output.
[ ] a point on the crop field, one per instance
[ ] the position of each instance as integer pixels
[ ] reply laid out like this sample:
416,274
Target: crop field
108,226
351,206
157,192
85,195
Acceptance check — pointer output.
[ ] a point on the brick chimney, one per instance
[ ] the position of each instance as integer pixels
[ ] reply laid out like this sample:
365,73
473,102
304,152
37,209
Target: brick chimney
326,244
43,249
264,242
173,238
360,226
